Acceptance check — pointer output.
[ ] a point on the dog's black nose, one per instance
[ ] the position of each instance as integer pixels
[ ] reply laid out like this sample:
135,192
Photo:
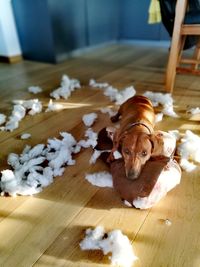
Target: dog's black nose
132,175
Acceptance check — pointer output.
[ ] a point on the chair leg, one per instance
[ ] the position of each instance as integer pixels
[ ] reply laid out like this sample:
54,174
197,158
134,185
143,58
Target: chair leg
196,56
172,64
175,45
181,49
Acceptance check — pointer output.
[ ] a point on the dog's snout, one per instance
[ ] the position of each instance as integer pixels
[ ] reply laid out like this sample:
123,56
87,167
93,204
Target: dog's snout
132,175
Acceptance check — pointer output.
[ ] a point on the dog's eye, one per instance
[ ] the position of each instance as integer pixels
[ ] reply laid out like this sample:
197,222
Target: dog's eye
144,153
127,151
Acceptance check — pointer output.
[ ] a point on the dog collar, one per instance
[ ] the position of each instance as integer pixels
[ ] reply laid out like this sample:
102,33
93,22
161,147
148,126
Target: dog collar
139,123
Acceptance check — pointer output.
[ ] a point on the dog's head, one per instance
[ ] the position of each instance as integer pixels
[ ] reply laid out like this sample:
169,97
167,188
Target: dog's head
136,150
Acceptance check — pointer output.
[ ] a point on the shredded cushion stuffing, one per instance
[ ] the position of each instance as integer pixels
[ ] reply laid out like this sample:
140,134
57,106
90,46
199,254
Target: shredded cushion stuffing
113,242
67,86
165,100
34,89
89,119
52,106
36,167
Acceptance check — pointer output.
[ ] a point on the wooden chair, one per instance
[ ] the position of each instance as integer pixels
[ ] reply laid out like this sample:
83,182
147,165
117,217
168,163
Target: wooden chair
180,31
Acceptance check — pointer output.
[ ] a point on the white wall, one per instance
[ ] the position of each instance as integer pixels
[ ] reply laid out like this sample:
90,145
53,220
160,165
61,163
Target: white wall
9,42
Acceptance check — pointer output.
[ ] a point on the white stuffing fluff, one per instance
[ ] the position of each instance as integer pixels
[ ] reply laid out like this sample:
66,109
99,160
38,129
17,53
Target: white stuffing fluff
119,97
33,106
66,88
96,154
168,222
25,136
29,174
124,95
194,111
89,119
92,238
108,110
95,84
175,134
101,179
189,147
18,113
169,111
188,150
158,117
165,100
111,92
63,152
34,89
187,166
117,155
112,242
159,98
115,95
8,180
53,106
91,139
2,118
20,108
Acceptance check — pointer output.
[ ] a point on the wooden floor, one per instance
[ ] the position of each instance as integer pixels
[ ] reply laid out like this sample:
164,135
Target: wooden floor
45,229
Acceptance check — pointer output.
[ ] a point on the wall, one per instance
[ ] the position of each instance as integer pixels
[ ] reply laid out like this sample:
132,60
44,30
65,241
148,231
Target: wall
68,20
9,44
102,20
133,22
80,23
49,30
34,28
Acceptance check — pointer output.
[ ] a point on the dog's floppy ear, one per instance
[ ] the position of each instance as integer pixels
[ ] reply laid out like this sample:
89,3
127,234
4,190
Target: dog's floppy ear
154,142
157,144
120,140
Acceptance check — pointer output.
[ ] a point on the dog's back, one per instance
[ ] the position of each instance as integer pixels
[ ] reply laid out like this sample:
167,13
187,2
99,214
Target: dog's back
137,109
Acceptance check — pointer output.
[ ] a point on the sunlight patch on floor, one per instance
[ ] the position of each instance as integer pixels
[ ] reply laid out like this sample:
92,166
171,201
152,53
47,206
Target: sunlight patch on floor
51,261
191,127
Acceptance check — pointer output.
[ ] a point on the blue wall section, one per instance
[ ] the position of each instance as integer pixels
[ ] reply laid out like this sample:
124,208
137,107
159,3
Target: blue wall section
34,29
103,20
68,21
164,35
134,22
50,29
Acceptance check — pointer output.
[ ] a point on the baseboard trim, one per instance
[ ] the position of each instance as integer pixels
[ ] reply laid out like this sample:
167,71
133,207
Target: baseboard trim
149,43
11,59
81,51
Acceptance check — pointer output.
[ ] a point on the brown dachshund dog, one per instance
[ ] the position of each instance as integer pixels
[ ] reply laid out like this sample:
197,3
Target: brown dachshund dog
133,137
